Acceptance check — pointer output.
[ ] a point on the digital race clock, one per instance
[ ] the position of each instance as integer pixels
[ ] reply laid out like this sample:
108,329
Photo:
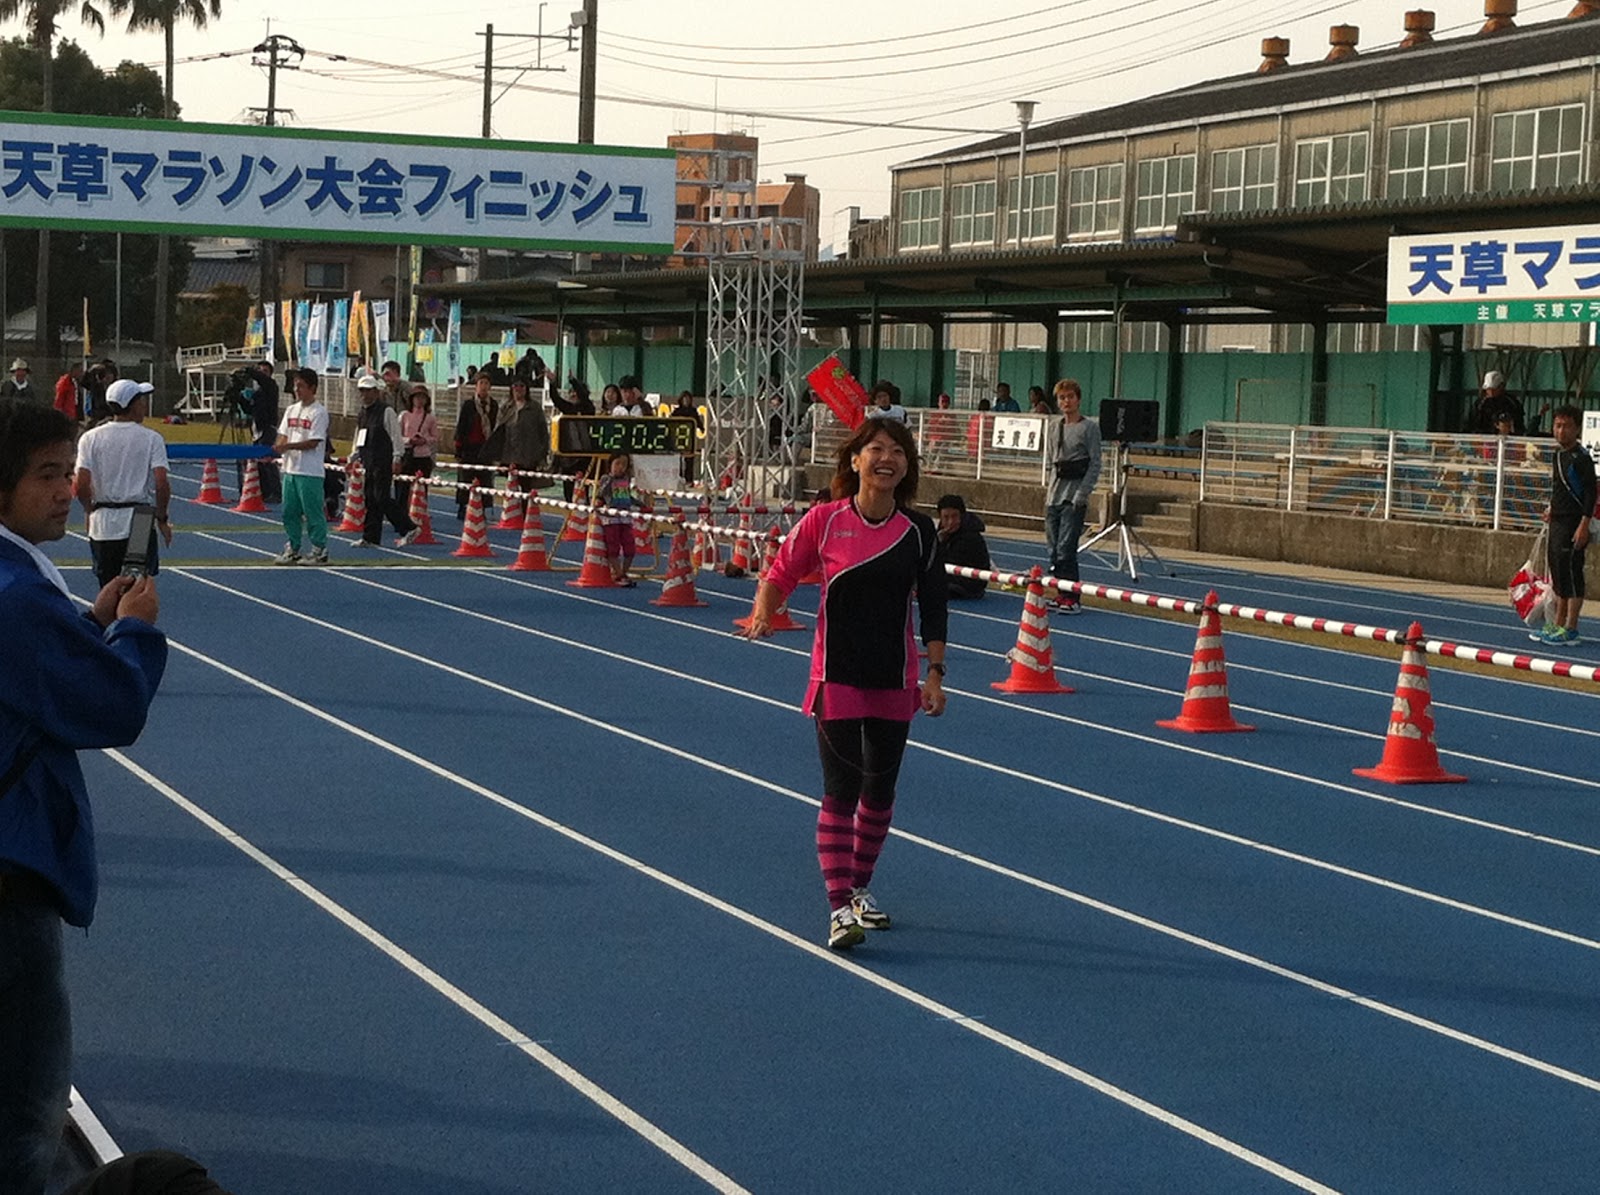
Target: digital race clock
602,435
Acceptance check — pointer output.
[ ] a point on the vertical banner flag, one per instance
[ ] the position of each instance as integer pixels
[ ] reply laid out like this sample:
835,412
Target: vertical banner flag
286,310
87,349
416,278
302,332
364,314
338,354
508,348
316,338
453,340
424,349
380,329
356,324
269,348
254,334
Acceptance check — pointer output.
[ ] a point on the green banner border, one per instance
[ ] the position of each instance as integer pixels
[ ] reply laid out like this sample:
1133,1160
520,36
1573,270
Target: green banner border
73,120
1520,311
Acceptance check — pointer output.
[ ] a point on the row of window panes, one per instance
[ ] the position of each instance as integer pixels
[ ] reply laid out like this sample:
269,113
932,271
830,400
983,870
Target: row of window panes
1541,148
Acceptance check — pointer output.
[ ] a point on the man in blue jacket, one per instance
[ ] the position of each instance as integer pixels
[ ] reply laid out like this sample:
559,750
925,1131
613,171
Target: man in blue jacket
68,681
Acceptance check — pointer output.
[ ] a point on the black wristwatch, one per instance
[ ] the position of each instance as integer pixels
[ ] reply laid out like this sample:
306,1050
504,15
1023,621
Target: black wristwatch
939,668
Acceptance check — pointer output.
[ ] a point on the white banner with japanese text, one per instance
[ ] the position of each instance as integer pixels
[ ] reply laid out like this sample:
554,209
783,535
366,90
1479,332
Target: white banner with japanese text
309,184
1516,275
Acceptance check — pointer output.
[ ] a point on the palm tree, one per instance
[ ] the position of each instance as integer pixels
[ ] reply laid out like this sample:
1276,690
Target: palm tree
40,18
164,15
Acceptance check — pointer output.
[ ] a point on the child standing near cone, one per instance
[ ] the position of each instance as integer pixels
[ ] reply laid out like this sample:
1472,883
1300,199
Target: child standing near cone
873,552
617,490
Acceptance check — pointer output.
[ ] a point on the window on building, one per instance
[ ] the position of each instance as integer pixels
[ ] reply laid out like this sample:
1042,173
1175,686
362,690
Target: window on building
1088,338
1330,170
1541,148
919,218
1094,201
972,214
1165,192
1038,210
1244,179
1428,159
1145,336
325,275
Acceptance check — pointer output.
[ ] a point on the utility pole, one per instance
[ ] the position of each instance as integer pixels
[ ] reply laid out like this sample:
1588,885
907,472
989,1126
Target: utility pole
489,67
488,80
279,49
586,64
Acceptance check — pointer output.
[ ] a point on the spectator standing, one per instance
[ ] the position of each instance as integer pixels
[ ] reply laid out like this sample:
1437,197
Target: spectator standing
961,536
123,464
474,425
395,391
1572,502
1004,404
20,383
975,428
1493,401
623,399
617,490
378,447
96,381
874,552
419,438
689,466
1073,449
69,392
527,434
264,418
886,402
575,401
303,444
1038,404
69,682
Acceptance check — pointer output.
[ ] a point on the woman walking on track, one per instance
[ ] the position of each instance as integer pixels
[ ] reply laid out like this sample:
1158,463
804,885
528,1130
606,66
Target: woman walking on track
874,552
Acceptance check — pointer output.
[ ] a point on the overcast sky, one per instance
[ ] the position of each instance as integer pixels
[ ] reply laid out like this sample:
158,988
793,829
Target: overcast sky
947,70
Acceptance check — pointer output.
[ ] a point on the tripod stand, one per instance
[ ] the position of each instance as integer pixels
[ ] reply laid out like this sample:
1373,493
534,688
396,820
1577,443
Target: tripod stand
1130,544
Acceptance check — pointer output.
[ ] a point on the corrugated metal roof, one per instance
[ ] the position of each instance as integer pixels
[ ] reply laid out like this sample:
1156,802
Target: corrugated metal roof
206,274
1445,61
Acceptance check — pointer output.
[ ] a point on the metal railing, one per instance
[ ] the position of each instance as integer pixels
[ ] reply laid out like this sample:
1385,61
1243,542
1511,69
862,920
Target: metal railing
1485,481
954,443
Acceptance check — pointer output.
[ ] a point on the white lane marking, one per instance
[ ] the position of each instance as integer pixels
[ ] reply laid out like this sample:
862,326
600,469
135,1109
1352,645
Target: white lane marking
485,1016
818,953
930,844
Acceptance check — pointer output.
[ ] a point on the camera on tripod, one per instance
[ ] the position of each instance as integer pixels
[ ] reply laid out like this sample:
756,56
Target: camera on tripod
240,396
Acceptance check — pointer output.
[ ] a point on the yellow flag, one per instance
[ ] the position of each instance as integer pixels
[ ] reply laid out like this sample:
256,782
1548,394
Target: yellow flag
87,351
353,337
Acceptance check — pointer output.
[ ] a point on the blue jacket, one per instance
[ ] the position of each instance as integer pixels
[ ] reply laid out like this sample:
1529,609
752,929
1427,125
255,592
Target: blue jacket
67,685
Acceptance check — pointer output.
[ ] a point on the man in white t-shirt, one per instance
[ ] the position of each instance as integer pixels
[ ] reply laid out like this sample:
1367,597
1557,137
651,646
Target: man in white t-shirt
123,464
301,437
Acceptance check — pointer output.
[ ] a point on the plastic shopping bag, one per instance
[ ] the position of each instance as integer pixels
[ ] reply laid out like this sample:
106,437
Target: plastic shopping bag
1531,595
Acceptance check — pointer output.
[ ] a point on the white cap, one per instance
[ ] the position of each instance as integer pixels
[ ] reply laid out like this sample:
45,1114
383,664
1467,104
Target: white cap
1494,380
123,391
368,381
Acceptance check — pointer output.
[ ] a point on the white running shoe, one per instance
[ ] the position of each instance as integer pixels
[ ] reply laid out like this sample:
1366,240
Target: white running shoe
405,540
287,556
318,556
844,931
867,911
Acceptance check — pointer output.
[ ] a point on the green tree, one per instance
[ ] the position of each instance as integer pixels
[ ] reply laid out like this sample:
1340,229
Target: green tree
40,16
218,317
165,15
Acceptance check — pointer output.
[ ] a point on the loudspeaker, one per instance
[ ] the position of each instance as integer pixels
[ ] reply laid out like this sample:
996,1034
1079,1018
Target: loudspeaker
1130,420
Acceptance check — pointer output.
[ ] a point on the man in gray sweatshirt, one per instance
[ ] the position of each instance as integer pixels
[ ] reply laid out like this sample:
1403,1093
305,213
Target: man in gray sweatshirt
1073,450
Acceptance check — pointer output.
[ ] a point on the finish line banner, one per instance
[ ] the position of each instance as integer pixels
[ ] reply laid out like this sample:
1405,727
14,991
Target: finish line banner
113,175
1519,275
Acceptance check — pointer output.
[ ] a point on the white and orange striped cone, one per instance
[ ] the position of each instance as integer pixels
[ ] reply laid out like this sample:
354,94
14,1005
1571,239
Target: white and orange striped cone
782,620
1033,668
1205,698
250,495
418,513
474,529
741,544
596,570
1410,755
706,554
677,588
511,510
575,529
644,539
531,556
210,484
355,498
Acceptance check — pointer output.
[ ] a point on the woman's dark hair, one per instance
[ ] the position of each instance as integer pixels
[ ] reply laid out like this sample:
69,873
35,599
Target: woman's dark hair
427,399
885,387
845,479
26,427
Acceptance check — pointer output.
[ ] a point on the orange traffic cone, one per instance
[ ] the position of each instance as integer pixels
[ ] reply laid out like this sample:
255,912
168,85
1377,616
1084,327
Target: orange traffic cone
677,588
705,551
511,516
1033,668
644,540
575,529
531,557
418,513
210,484
355,498
596,570
1205,699
741,544
781,618
250,496
1410,756
474,530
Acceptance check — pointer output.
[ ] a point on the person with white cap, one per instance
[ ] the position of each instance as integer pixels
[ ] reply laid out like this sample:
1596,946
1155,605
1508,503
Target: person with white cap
20,383
1493,403
123,464
378,446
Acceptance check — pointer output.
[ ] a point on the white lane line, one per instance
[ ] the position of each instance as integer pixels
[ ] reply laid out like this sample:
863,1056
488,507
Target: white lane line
496,1024
819,953
978,861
